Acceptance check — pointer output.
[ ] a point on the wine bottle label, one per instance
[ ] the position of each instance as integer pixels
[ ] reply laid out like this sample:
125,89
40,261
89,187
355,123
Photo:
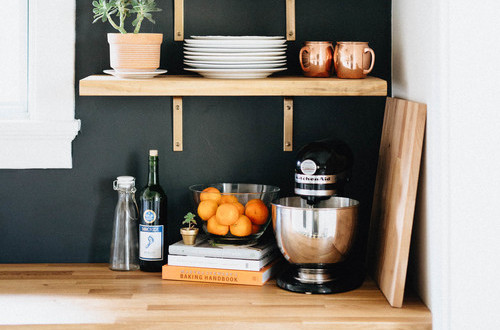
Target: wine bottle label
150,243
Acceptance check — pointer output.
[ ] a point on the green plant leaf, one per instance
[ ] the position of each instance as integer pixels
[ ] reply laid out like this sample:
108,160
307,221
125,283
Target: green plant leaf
189,219
104,9
136,21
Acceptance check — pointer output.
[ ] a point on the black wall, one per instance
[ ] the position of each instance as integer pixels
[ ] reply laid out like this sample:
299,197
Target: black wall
67,215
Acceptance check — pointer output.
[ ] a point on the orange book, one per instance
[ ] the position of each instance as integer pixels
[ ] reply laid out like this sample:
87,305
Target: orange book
218,275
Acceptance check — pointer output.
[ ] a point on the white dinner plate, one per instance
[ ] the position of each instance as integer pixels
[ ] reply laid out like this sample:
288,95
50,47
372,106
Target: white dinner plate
234,66
134,74
238,37
273,51
236,62
235,54
235,43
235,73
234,58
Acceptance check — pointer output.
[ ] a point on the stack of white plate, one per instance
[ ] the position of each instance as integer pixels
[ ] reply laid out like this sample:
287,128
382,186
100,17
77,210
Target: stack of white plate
231,57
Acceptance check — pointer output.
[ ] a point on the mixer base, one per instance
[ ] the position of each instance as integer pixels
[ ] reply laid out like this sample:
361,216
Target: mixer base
348,279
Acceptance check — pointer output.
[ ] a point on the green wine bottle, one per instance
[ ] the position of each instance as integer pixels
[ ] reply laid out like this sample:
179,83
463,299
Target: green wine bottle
153,223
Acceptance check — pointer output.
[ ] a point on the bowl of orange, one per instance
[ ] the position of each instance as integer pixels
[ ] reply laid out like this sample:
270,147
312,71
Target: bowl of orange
234,213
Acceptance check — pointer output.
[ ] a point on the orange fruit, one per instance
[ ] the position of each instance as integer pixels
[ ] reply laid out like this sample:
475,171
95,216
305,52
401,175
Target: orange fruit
255,229
254,200
241,208
242,227
211,193
207,209
227,214
228,199
215,228
257,212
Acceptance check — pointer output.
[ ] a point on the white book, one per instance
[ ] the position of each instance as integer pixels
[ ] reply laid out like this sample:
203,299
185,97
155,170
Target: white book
222,263
203,248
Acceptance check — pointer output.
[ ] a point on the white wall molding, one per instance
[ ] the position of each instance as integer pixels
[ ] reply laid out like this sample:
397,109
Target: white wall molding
37,144
43,139
40,130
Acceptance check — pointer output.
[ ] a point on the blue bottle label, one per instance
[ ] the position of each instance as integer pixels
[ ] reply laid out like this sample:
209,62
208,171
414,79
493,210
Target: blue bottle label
150,243
149,216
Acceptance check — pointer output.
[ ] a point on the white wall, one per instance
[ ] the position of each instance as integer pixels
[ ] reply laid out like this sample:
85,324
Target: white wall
444,53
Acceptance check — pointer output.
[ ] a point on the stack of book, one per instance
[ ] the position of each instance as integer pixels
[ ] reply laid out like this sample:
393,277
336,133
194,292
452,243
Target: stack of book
221,263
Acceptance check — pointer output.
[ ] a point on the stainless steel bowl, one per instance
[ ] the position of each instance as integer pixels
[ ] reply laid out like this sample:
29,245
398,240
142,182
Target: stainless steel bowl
315,237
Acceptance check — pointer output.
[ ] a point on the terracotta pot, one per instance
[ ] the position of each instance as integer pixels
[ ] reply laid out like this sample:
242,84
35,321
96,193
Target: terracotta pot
135,52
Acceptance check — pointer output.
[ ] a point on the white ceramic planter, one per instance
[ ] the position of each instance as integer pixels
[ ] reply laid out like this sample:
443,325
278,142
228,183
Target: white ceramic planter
135,52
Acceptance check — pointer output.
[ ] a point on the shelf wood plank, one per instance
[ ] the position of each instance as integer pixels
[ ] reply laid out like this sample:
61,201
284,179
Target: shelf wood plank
170,85
90,296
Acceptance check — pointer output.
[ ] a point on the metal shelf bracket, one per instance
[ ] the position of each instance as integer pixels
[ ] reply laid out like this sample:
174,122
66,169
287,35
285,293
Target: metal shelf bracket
177,144
288,124
179,20
177,123
290,20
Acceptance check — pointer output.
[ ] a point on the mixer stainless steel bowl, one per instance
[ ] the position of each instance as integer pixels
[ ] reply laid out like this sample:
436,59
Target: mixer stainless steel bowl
315,238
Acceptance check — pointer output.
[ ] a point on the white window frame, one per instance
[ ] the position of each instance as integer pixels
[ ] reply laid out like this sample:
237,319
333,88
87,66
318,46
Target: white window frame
43,139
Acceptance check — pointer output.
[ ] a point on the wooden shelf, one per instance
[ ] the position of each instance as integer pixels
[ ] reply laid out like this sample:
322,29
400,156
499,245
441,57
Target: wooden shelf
71,296
179,86
104,85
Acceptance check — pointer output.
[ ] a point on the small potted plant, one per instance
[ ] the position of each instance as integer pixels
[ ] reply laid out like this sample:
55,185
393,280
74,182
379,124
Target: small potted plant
189,233
130,52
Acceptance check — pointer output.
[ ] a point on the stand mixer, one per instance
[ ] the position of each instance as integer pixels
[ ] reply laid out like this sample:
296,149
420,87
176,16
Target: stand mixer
316,230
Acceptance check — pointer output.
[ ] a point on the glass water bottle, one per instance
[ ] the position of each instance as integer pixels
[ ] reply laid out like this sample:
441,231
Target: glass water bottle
125,244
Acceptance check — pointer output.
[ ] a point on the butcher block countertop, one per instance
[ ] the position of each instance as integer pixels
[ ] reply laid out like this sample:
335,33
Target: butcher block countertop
90,296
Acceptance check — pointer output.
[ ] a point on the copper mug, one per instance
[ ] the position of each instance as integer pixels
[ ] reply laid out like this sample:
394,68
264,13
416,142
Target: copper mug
316,58
353,59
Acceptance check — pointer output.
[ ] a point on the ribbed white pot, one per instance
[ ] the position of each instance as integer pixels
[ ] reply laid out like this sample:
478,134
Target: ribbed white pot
135,52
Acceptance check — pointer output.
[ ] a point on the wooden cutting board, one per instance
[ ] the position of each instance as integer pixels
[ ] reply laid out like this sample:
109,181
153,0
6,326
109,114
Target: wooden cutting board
394,195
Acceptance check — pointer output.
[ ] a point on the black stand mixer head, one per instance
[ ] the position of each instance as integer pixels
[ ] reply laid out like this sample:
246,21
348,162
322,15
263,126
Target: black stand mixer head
322,170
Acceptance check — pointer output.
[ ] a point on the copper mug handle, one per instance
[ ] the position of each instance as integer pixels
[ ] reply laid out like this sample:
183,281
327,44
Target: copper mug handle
302,50
369,50
335,59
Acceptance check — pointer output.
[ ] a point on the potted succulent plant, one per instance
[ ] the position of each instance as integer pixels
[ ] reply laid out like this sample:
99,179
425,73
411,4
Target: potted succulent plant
132,52
189,233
